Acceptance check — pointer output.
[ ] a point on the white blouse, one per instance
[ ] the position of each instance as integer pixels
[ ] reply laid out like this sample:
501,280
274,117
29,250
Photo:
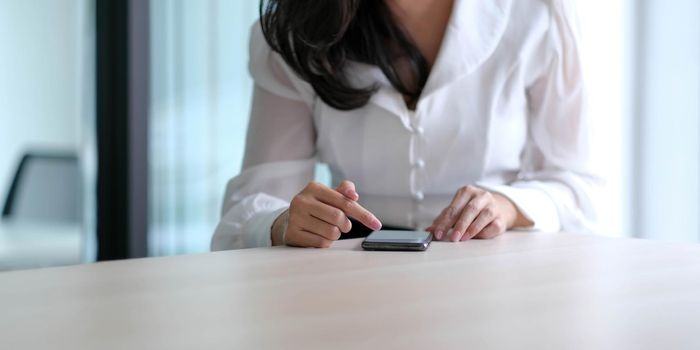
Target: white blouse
503,108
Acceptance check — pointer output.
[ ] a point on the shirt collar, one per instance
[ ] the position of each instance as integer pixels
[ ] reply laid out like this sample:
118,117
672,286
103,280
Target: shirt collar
472,35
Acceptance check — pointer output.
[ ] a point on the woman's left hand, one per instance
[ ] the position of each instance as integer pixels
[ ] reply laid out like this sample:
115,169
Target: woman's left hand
476,213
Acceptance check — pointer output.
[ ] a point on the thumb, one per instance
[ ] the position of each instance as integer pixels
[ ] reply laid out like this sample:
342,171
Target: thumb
347,189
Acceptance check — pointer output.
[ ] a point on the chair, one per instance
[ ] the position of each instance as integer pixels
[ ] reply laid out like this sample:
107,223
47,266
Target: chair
46,188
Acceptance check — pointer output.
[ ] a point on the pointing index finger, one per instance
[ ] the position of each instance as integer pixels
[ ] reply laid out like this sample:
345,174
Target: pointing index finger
350,208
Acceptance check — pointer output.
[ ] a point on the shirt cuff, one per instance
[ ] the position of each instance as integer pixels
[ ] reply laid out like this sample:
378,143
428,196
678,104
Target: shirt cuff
258,228
534,204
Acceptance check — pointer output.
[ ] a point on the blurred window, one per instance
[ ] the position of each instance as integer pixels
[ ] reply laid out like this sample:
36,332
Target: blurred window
46,119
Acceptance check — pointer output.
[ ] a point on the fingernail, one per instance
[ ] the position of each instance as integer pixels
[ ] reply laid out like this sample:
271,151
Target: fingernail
438,234
376,225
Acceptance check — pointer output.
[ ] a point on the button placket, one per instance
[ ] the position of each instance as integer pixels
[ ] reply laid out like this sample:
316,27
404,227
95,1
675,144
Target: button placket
417,166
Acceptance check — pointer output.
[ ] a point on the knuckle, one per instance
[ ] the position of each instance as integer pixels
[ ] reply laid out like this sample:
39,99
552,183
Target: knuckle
323,243
313,185
460,224
489,212
463,190
499,226
316,242
328,231
471,189
439,219
335,233
297,201
471,207
337,216
347,204
491,233
469,231
486,234
365,217
348,225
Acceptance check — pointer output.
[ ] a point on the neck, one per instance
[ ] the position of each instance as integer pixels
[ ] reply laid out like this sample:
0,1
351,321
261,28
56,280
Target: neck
425,22
416,10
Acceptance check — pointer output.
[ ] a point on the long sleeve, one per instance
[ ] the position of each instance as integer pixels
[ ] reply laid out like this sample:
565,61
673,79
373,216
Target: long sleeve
555,186
279,156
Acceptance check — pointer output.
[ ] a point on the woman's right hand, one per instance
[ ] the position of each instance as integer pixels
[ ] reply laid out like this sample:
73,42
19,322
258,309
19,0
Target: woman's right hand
318,215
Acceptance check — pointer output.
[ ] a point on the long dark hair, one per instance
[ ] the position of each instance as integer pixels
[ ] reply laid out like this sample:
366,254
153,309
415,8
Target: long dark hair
317,38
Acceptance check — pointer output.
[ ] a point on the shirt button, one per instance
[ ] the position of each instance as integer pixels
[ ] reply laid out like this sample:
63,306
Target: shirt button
418,196
420,164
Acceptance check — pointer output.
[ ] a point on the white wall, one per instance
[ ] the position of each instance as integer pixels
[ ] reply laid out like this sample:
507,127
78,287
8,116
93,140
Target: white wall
667,202
643,75
606,47
42,44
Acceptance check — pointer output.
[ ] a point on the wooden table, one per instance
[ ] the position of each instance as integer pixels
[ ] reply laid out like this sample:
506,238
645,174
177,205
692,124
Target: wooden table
521,290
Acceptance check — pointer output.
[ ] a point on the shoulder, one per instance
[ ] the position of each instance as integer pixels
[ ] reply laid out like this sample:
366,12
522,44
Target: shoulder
270,72
540,32
257,44
542,25
546,6
543,15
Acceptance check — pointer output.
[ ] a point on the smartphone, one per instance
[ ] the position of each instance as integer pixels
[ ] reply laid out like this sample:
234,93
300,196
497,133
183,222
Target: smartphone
398,240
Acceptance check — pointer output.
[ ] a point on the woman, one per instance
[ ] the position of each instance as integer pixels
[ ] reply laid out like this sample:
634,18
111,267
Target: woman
462,117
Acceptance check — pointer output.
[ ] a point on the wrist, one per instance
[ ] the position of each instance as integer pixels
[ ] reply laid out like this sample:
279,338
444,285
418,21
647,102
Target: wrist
513,216
278,228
